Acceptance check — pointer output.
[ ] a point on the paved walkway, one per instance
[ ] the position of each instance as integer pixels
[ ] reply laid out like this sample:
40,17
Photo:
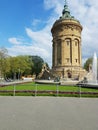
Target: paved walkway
48,113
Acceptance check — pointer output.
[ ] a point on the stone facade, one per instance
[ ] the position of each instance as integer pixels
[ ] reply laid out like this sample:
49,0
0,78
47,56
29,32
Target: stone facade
66,55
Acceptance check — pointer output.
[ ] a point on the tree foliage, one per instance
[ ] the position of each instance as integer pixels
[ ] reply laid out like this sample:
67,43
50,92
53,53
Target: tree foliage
88,63
4,62
17,66
38,62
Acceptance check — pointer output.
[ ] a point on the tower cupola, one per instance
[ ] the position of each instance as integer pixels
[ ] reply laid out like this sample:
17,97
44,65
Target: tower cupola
66,11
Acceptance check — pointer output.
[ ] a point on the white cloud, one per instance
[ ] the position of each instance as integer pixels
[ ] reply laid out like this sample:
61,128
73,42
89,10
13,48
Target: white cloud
56,5
27,50
83,10
41,38
15,40
36,22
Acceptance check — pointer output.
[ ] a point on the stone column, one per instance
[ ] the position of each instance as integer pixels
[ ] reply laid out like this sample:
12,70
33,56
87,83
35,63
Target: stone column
53,52
55,55
80,62
72,51
62,53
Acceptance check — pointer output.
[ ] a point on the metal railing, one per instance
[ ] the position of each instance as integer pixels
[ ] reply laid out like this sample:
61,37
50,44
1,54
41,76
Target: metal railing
37,91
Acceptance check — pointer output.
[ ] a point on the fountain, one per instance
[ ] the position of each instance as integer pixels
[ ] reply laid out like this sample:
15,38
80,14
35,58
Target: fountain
91,82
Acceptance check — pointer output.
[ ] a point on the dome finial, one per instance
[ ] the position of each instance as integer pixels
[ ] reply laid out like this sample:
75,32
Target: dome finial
66,11
65,2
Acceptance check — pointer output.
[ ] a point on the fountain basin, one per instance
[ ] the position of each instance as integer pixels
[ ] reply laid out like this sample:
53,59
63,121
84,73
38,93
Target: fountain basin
88,85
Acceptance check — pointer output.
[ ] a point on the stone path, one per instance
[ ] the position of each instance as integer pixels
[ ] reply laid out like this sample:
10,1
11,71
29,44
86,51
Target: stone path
48,113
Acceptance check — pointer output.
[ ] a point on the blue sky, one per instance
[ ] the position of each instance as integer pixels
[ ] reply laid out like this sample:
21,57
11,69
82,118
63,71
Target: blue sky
15,15
25,26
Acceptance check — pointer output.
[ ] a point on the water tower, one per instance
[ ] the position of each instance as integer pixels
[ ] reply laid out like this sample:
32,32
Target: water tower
66,48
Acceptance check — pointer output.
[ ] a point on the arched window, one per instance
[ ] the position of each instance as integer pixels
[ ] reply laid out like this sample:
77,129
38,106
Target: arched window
68,41
76,42
68,51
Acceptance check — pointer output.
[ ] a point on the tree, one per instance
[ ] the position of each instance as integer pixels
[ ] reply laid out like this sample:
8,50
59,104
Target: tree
4,63
26,65
88,63
38,62
13,67
20,65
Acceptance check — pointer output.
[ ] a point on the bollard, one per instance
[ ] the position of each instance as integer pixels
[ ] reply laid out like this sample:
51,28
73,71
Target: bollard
57,90
14,90
35,89
80,91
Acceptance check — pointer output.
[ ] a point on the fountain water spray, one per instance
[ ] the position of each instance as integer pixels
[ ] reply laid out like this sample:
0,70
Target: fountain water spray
94,68
92,80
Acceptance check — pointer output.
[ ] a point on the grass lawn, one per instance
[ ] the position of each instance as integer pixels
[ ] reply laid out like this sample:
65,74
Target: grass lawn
43,87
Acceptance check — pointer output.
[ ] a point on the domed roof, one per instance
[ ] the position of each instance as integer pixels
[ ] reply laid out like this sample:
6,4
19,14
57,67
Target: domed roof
66,12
